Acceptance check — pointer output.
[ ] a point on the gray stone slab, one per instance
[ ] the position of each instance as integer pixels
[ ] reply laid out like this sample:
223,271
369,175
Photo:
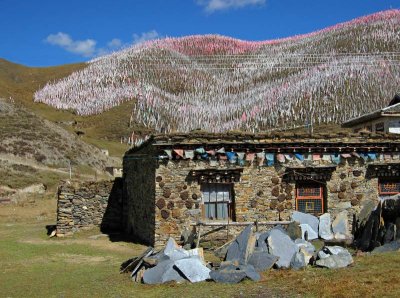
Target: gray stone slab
304,218
173,251
306,248
262,260
308,232
250,272
242,247
298,261
340,226
280,245
228,277
193,269
163,272
325,229
294,230
391,246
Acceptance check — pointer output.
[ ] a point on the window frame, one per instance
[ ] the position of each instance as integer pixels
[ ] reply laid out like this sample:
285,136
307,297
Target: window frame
320,197
230,202
387,181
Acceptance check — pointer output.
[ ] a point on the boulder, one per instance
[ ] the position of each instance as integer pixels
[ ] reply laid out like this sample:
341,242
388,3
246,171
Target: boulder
233,274
193,269
340,226
325,230
280,245
242,247
333,257
304,218
306,248
262,260
294,230
307,230
298,261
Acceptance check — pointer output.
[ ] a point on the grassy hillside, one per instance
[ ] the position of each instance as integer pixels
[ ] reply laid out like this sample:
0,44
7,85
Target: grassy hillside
19,83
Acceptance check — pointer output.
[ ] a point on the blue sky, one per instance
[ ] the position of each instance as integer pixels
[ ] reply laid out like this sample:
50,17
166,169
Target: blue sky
53,32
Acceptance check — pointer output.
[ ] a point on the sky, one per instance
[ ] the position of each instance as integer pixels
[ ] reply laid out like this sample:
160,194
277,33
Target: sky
54,32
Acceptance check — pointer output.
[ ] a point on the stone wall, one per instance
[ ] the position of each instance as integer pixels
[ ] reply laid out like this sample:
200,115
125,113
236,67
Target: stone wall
138,200
89,204
263,194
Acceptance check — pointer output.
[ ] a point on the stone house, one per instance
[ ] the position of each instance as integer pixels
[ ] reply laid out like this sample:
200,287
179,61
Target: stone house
386,120
173,182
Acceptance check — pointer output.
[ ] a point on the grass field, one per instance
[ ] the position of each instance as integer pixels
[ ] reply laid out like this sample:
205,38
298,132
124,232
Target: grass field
32,265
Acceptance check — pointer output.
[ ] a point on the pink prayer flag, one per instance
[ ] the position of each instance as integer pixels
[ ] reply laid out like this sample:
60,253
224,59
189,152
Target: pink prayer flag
346,155
280,157
250,156
179,152
316,156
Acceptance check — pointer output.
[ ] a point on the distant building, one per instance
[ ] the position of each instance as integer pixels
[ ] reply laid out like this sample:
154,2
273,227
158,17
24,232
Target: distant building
386,120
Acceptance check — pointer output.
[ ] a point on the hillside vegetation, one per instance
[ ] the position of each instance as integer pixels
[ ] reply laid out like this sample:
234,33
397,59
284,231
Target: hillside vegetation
218,83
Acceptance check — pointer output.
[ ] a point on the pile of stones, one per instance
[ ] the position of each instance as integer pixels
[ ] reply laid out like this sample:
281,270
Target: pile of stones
245,257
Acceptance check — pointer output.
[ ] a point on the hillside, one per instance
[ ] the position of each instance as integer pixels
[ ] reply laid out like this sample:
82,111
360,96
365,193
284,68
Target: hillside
218,83
36,150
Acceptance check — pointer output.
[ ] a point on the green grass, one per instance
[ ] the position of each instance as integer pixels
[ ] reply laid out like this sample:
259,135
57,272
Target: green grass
35,266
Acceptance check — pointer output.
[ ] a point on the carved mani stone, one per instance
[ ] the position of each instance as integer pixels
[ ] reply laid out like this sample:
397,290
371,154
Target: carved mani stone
184,195
189,204
342,176
359,196
167,193
354,202
158,178
281,197
194,196
275,180
161,184
164,214
253,204
341,195
289,205
357,173
160,203
170,205
280,207
275,191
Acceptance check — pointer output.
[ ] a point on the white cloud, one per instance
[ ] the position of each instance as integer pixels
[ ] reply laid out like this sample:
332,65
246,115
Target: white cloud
145,36
85,48
215,5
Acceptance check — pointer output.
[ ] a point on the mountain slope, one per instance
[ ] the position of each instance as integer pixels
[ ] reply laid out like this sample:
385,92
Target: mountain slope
218,83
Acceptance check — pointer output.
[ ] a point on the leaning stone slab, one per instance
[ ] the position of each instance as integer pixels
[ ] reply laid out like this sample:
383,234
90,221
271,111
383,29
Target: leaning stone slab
282,246
306,248
262,260
307,230
325,230
340,226
173,251
242,247
304,218
193,269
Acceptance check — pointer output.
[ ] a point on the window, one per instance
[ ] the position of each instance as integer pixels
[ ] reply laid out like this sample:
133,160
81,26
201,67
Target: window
217,199
310,199
389,187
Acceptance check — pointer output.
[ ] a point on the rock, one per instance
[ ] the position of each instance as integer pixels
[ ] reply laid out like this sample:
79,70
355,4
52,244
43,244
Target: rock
261,243
294,230
163,272
193,269
343,205
391,246
333,257
304,218
340,226
280,245
242,247
262,260
390,233
298,261
306,248
311,234
173,251
232,276
367,208
34,189
325,231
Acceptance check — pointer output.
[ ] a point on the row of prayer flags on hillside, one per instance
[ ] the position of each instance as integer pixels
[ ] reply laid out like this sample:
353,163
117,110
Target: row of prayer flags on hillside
269,158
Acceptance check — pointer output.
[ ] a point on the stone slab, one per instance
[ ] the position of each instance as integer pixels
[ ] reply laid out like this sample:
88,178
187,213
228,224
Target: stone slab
340,226
163,272
280,245
304,218
193,269
262,261
325,229
306,230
